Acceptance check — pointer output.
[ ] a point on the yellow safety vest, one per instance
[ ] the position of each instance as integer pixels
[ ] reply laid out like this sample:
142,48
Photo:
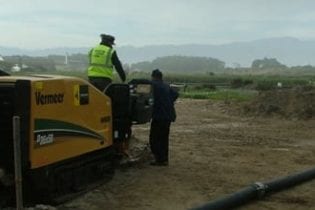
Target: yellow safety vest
101,62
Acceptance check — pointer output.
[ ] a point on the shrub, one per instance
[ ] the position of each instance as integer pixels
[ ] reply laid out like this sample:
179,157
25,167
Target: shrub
238,82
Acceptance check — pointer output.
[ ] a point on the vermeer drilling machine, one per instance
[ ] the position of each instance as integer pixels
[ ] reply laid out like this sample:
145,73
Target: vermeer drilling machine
70,131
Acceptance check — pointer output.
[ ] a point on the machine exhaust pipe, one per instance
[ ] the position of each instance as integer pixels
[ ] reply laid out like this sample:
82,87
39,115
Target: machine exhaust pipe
258,190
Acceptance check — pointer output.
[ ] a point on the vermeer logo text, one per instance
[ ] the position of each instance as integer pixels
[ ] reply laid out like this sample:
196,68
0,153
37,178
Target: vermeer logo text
43,99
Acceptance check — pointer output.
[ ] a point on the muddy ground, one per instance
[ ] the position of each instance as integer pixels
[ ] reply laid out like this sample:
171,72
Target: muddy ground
213,152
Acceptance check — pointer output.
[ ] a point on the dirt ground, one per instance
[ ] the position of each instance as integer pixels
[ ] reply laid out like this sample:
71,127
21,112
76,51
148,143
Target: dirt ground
213,152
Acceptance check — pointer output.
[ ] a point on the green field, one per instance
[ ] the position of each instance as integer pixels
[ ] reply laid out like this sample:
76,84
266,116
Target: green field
237,87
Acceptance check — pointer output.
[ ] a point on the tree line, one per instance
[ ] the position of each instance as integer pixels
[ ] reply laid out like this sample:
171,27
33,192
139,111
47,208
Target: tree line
49,63
171,64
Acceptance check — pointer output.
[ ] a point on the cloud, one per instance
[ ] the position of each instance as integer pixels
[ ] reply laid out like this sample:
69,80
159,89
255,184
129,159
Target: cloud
34,24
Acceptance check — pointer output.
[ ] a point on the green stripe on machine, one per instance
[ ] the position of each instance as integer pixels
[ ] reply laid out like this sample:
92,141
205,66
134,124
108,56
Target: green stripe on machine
62,128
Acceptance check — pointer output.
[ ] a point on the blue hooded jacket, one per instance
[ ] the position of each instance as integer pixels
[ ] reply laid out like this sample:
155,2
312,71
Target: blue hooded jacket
164,97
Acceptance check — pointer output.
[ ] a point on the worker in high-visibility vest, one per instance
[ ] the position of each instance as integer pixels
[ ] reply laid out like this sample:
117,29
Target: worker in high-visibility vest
103,60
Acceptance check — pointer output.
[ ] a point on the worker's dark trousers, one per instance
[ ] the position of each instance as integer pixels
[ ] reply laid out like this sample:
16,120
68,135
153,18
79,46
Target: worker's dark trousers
100,82
159,140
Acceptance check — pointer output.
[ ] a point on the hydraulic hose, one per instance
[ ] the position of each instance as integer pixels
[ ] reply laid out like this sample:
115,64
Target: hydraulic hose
3,73
258,190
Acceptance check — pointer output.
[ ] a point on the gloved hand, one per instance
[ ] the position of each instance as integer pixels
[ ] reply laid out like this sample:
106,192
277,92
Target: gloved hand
123,78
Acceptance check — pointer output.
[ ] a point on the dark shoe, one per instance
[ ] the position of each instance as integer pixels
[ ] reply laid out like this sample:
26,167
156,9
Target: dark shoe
158,163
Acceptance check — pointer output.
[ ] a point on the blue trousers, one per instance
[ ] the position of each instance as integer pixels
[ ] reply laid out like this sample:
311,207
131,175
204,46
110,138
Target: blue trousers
159,140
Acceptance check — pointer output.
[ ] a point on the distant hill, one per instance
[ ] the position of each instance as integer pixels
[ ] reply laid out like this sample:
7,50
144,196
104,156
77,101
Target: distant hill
289,51
182,64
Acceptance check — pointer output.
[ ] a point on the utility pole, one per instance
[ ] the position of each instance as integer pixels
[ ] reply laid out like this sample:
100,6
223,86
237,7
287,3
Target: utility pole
66,59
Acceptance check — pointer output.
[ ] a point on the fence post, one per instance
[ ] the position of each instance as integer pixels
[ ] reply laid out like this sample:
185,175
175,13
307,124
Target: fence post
17,162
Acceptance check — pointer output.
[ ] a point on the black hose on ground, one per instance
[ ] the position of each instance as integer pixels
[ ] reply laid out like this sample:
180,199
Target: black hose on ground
289,181
258,190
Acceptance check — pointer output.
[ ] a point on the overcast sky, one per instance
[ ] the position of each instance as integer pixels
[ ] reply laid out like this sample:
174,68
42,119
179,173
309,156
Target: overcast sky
78,23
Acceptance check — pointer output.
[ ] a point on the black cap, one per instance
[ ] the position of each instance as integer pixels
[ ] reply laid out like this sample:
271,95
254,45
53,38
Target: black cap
108,38
156,73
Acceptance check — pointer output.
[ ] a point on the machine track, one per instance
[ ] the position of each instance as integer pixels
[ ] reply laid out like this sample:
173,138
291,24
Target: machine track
64,181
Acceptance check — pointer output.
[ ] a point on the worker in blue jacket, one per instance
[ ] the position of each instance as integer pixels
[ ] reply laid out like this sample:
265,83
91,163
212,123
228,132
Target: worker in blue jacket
162,116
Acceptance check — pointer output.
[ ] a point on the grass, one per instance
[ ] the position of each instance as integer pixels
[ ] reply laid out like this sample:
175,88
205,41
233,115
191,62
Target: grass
223,94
